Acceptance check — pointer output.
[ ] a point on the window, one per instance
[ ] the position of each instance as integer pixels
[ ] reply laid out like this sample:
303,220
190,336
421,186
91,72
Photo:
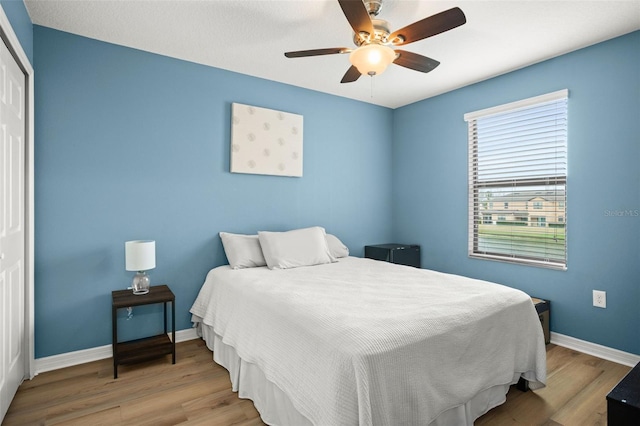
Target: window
518,158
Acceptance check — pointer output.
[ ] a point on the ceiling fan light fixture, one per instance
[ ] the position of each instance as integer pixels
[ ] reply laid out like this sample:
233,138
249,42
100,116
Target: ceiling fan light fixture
372,59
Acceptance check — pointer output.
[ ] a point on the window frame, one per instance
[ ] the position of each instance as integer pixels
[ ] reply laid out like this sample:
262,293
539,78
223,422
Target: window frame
518,183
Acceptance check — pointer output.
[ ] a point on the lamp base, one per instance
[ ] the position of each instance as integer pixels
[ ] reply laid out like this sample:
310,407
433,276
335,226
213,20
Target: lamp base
141,283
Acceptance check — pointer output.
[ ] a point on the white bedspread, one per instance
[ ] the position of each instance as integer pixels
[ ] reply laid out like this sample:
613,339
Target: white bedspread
371,343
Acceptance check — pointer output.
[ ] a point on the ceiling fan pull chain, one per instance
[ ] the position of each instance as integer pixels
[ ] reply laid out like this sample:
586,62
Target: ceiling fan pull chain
371,87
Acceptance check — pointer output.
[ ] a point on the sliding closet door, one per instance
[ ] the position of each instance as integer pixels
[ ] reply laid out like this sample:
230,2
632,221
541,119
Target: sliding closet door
12,227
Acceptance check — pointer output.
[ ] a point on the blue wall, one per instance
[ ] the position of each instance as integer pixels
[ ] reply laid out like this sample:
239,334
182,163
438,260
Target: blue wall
102,109
132,145
603,209
21,23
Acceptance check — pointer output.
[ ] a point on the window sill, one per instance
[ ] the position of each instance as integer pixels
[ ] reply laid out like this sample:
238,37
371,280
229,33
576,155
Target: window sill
536,263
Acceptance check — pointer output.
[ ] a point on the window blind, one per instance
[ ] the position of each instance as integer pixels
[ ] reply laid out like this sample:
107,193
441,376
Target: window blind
518,180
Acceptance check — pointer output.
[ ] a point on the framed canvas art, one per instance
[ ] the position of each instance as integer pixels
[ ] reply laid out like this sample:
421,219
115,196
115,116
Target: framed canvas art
265,141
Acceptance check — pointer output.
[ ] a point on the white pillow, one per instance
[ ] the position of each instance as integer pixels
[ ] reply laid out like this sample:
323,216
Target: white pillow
291,249
336,247
243,251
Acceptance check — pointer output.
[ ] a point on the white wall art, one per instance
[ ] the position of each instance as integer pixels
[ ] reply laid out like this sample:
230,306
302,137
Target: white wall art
265,142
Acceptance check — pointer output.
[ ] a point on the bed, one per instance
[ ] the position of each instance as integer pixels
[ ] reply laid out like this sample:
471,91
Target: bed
361,342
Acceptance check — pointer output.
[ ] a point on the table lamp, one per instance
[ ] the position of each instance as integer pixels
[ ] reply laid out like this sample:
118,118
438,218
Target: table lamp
140,256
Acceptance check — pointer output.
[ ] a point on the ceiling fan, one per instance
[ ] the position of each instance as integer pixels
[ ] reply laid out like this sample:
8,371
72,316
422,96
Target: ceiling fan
374,40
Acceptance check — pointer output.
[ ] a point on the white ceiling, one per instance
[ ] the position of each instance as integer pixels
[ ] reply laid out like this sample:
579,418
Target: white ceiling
250,37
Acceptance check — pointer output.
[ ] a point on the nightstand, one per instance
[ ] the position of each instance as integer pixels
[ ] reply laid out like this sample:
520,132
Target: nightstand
402,254
133,351
543,308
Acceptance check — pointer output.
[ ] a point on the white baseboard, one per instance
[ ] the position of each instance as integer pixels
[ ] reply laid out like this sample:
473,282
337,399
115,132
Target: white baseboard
94,354
604,352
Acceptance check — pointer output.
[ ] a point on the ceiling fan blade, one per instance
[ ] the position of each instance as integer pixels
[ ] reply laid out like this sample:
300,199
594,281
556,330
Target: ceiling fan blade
356,13
427,27
351,75
317,52
414,61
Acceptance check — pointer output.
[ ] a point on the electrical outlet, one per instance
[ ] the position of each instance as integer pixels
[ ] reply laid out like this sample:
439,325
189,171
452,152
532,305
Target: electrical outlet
600,298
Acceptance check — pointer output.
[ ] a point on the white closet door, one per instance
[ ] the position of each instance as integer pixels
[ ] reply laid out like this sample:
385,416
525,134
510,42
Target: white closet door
12,227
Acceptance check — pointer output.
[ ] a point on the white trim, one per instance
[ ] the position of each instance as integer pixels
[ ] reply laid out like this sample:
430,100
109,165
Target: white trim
11,39
560,94
70,359
604,352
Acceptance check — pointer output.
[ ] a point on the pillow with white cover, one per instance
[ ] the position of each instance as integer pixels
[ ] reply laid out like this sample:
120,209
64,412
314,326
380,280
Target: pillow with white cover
299,247
336,247
243,251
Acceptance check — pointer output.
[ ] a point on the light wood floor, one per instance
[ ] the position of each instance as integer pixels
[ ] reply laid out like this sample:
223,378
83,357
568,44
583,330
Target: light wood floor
197,391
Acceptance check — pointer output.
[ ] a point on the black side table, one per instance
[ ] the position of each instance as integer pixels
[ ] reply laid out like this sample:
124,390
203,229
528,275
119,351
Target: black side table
543,308
149,347
402,254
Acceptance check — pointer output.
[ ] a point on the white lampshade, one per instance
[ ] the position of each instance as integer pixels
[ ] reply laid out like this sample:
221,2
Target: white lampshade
140,255
372,59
